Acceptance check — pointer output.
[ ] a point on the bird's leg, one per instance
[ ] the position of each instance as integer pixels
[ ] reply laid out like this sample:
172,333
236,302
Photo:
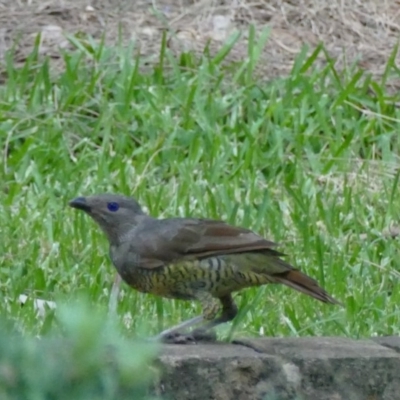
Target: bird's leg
177,328
211,308
229,312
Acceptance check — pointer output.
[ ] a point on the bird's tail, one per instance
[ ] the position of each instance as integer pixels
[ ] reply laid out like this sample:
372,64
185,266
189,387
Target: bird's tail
268,266
303,283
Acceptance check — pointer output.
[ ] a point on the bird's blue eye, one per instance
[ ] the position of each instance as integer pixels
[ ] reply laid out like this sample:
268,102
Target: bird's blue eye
113,206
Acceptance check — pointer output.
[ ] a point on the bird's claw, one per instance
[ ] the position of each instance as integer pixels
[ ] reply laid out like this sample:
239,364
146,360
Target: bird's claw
178,338
203,335
198,335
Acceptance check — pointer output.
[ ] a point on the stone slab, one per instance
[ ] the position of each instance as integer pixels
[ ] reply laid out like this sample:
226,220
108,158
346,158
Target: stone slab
317,368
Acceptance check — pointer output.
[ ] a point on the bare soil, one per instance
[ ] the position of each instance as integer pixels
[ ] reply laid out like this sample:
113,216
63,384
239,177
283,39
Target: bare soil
364,32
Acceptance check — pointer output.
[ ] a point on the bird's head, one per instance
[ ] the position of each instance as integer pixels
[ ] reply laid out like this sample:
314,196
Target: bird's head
115,214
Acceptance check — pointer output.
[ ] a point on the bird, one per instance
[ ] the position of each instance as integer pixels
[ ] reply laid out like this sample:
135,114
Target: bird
197,259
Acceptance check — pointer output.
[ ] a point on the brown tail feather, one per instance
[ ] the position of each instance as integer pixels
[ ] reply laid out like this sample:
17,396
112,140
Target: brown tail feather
303,283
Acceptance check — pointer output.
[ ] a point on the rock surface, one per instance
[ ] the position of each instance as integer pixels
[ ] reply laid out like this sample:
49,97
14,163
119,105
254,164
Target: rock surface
317,368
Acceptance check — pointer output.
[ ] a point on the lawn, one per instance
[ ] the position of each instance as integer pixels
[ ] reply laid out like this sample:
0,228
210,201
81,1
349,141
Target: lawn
310,160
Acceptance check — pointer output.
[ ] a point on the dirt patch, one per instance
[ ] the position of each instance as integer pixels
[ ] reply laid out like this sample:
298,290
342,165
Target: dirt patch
354,31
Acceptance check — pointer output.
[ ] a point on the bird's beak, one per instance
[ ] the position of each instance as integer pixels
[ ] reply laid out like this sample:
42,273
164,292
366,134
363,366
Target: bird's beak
81,204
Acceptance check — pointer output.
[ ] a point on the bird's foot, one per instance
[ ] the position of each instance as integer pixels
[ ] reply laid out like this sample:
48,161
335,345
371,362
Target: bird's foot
203,335
198,335
178,338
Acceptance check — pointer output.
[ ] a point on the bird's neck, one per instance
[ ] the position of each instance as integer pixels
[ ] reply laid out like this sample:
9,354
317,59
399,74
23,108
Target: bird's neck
124,231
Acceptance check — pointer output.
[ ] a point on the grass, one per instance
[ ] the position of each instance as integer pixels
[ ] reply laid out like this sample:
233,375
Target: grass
92,361
310,161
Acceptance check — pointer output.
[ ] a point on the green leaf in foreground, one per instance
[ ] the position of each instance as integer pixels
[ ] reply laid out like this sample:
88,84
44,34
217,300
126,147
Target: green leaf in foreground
86,359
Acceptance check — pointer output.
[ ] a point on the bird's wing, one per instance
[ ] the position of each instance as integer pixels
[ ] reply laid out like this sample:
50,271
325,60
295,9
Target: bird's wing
178,239
164,241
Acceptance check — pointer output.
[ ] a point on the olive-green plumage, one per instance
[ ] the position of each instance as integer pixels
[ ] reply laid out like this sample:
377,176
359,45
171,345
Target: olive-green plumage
191,259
